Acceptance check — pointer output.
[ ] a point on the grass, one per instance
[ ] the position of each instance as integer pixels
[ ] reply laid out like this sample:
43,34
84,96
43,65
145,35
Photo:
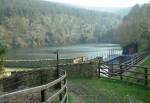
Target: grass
112,91
146,62
143,46
70,99
109,91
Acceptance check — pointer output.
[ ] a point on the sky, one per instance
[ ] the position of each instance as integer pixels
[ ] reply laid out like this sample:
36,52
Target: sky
103,3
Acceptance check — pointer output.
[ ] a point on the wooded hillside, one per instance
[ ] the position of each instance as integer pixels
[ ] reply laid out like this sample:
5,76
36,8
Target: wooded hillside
135,28
35,23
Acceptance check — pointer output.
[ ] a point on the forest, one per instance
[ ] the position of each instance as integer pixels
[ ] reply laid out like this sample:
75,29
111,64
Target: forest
36,23
135,27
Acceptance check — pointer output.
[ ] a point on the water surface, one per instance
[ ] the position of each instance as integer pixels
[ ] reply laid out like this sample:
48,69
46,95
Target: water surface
89,50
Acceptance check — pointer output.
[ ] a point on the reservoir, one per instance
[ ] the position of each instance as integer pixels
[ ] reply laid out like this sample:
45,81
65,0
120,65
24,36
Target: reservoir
88,50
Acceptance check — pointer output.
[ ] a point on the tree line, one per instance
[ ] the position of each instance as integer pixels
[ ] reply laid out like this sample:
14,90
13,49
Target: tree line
135,27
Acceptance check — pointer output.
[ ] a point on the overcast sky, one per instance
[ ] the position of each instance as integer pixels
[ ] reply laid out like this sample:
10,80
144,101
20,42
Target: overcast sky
103,3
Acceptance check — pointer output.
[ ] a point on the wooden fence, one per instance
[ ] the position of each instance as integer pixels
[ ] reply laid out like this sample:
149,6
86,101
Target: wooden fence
61,93
127,71
138,77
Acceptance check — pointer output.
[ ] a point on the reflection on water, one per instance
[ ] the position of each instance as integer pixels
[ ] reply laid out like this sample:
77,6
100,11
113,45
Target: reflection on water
89,50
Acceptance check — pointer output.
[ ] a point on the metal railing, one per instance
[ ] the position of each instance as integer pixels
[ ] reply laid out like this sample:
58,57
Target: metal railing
137,58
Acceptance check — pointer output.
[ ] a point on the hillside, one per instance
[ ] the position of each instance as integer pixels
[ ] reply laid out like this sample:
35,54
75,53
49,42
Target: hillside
35,23
135,27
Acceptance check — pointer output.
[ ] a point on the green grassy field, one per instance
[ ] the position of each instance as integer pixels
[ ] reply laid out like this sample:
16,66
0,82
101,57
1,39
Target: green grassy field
111,91
108,91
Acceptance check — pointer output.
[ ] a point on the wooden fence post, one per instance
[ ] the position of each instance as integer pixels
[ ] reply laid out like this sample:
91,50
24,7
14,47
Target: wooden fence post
65,89
120,67
112,69
146,76
43,95
121,77
99,66
99,69
58,72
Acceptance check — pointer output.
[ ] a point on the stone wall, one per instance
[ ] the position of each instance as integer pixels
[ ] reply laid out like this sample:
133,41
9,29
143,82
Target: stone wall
80,70
37,77
35,63
26,79
30,98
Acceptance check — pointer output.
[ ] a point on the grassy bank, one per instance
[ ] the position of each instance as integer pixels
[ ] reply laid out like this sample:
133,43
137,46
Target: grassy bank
108,91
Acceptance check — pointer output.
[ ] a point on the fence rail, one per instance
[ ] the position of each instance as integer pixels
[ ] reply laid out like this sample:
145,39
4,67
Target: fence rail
140,76
42,89
127,71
